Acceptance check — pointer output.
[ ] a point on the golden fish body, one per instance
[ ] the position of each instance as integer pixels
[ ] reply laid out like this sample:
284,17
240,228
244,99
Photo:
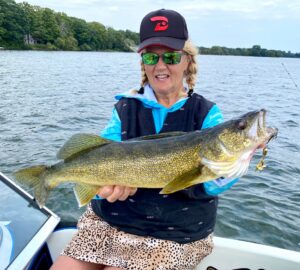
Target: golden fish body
145,163
172,161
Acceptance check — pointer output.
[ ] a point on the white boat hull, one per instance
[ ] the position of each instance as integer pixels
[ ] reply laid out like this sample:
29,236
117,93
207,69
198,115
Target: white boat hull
234,254
6,244
228,254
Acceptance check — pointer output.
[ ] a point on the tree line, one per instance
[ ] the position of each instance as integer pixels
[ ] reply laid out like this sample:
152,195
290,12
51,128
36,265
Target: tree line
24,26
256,50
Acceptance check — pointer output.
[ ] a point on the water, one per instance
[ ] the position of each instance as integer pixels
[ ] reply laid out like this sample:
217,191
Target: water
48,96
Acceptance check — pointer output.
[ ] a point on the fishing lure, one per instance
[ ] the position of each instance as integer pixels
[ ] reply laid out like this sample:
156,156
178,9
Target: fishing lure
261,164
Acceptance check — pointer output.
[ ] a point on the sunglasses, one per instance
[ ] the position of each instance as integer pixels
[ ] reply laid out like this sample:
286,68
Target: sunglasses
169,58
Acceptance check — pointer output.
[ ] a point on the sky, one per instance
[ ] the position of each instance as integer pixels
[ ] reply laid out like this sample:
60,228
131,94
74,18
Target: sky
272,24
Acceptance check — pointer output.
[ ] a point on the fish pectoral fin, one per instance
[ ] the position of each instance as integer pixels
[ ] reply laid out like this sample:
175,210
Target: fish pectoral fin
158,136
84,193
79,143
185,180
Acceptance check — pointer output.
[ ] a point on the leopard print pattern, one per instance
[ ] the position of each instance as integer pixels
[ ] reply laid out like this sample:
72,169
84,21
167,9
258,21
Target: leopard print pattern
98,242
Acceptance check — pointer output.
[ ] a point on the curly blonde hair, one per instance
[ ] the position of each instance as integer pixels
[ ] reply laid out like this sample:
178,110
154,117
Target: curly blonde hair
190,74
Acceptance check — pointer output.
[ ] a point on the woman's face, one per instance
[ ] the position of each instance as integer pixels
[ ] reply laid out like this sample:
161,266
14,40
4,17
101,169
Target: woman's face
166,79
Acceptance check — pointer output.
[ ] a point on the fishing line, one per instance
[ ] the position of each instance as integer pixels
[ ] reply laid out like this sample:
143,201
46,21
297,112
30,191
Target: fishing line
290,75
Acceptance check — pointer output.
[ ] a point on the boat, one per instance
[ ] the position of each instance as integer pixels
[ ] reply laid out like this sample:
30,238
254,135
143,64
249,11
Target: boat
228,254
25,227
47,241
6,243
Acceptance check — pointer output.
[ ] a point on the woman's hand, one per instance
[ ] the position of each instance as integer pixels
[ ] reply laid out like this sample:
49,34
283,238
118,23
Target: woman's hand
114,193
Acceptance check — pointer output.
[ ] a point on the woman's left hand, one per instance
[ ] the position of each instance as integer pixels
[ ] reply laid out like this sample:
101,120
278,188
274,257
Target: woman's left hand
114,193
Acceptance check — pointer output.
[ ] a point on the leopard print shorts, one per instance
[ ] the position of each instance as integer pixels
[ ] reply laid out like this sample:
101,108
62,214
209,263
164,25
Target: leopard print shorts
98,242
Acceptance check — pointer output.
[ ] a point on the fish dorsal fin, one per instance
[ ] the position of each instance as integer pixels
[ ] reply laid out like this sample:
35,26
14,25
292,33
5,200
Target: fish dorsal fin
158,136
80,143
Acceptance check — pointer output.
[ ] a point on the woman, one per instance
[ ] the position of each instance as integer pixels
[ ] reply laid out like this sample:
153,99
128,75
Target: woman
141,229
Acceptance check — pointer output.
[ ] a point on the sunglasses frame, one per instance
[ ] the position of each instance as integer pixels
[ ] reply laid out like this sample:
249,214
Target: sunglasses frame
164,58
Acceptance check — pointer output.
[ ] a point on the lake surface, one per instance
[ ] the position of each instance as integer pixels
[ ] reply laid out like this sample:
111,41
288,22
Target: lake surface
46,97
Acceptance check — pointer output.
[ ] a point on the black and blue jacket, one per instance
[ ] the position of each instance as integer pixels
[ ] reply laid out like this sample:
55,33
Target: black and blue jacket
183,216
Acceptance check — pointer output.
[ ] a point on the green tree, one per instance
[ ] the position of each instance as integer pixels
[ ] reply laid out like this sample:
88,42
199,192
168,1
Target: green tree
11,24
2,29
81,31
64,24
66,39
29,18
216,50
98,35
50,26
66,43
55,30
255,50
135,37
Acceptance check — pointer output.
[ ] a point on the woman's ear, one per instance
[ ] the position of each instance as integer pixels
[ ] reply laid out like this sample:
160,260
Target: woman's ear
189,58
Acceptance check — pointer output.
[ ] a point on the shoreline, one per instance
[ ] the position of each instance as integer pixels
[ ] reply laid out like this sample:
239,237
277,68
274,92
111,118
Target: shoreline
117,51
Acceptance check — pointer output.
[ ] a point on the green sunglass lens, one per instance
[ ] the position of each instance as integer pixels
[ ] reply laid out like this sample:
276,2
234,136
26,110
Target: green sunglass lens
169,58
172,58
150,58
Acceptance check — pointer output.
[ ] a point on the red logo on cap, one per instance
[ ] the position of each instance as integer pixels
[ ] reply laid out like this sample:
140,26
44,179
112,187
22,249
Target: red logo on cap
162,23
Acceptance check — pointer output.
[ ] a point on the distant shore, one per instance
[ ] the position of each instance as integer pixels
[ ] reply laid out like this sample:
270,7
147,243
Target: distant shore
255,51
28,27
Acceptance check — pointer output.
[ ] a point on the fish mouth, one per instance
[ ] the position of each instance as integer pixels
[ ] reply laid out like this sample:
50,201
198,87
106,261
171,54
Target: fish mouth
259,134
258,126
271,133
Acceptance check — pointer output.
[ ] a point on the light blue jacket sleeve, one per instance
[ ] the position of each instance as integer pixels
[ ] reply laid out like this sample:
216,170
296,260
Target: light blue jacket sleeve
213,118
217,186
112,131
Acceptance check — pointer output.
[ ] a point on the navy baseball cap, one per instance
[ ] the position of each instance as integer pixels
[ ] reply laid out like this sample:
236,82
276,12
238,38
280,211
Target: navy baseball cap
163,27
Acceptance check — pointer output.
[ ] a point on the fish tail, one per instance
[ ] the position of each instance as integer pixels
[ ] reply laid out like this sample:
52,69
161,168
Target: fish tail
34,177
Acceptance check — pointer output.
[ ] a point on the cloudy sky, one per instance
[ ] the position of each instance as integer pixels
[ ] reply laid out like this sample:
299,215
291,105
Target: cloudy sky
273,24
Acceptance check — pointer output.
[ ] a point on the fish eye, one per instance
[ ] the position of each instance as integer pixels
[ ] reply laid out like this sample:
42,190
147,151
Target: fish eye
241,125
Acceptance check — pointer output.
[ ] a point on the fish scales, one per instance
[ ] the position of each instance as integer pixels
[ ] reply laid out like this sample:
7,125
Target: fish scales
171,161
157,163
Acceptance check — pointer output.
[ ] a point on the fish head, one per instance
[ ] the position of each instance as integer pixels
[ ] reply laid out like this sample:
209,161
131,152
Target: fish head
230,146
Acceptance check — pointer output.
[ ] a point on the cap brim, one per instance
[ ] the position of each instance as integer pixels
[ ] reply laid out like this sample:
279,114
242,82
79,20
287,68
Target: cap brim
172,43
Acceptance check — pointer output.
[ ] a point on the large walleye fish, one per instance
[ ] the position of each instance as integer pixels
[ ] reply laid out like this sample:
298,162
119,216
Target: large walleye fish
171,161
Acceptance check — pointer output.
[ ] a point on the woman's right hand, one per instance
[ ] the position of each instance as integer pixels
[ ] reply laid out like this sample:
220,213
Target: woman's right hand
114,193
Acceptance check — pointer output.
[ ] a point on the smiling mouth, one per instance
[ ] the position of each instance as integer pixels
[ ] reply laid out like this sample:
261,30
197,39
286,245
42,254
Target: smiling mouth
161,76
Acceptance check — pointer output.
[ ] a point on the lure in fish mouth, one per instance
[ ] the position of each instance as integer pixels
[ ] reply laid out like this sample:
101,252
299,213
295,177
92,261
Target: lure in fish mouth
233,146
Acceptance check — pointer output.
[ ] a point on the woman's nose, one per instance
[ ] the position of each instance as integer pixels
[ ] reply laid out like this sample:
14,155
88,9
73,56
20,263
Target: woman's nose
160,62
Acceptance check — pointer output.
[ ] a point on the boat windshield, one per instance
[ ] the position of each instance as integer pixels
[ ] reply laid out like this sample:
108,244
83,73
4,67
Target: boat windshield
21,224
